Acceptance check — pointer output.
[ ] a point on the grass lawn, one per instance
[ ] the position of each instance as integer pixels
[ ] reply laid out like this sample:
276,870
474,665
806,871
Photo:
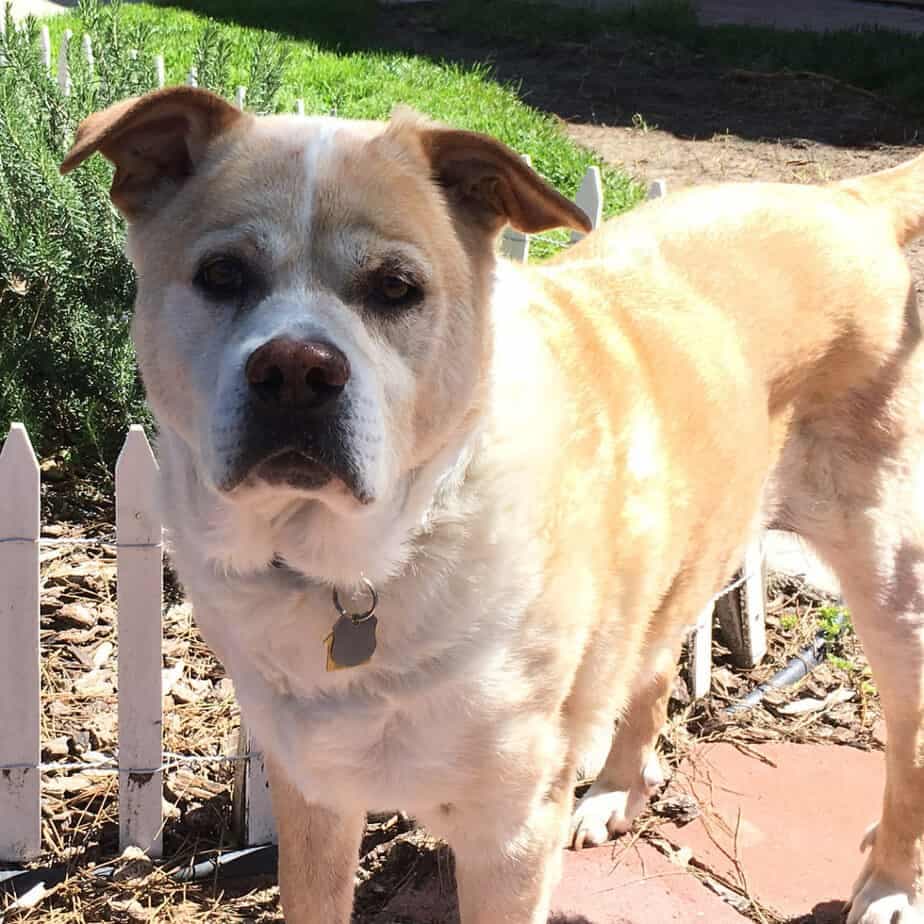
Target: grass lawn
364,84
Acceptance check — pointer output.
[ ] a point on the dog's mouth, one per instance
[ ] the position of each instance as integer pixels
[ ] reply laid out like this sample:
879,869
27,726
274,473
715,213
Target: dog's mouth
294,469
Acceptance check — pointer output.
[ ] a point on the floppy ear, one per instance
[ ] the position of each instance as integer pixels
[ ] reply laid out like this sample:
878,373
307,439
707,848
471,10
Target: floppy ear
155,142
492,185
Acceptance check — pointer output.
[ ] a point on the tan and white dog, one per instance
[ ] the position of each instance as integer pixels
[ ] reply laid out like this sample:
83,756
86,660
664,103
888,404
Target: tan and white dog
543,472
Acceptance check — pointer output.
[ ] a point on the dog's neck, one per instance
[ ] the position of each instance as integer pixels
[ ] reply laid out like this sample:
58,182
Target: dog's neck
310,539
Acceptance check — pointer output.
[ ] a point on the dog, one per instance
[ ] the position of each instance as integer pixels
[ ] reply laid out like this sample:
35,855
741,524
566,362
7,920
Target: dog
443,518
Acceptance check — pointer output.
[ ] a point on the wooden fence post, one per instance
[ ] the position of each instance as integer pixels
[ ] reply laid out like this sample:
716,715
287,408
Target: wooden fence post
86,44
742,613
701,653
20,684
253,810
64,71
140,594
589,199
45,49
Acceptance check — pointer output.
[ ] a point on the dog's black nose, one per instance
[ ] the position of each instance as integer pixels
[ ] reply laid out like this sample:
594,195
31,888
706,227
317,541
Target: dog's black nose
297,374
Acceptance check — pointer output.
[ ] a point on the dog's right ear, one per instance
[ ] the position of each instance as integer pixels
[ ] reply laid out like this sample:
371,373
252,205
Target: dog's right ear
155,142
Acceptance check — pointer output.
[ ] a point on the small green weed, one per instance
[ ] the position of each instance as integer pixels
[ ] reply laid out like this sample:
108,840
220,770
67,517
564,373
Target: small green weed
844,664
834,622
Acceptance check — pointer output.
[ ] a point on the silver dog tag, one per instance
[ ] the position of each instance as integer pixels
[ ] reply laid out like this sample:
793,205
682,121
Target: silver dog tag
351,644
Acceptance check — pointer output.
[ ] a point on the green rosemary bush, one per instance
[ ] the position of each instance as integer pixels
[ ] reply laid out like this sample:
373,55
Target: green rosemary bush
67,368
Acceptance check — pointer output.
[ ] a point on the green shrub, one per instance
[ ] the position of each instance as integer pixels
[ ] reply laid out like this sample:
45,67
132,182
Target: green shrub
67,368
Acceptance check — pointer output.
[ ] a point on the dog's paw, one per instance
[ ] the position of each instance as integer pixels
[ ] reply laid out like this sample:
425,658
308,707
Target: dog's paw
599,816
876,897
881,902
603,812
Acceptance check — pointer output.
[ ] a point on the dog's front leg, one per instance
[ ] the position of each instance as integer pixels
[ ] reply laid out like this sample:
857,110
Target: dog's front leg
508,873
318,855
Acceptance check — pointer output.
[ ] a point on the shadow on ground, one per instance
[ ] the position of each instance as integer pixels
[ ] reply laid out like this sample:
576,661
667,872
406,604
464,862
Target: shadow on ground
617,78
625,79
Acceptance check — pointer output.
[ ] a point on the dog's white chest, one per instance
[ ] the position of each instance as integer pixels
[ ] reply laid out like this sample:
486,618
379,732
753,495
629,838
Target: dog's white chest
383,735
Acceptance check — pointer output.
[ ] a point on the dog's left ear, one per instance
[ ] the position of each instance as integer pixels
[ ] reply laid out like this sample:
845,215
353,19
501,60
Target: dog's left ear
155,142
492,185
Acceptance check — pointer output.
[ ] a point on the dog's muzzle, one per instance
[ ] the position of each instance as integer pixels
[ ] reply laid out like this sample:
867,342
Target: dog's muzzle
294,431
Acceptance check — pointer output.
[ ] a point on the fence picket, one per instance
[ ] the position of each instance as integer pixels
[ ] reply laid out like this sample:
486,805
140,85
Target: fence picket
86,44
742,613
701,653
193,77
140,591
160,74
589,199
45,48
253,810
20,690
240,97
300,107
64,71
755,605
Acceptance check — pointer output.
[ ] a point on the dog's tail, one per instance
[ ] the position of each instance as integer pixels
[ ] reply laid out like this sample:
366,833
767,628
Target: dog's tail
899,192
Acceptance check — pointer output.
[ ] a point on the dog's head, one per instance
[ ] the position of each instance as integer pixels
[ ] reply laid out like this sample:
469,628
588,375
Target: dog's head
312,313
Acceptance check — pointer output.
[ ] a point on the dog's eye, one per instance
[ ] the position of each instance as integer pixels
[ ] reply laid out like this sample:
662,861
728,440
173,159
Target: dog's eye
222,277
394,288
391,291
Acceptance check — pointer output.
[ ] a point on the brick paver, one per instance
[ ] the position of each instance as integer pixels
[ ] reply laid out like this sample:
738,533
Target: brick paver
789,824
616,884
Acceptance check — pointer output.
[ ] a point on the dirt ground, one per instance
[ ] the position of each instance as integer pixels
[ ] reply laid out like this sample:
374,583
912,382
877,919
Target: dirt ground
659,112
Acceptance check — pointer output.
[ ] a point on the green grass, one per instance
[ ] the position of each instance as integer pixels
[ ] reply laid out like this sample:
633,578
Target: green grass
368,85
883,61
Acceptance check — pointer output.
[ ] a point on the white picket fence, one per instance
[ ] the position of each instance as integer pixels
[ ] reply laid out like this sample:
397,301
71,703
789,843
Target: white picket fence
141,760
